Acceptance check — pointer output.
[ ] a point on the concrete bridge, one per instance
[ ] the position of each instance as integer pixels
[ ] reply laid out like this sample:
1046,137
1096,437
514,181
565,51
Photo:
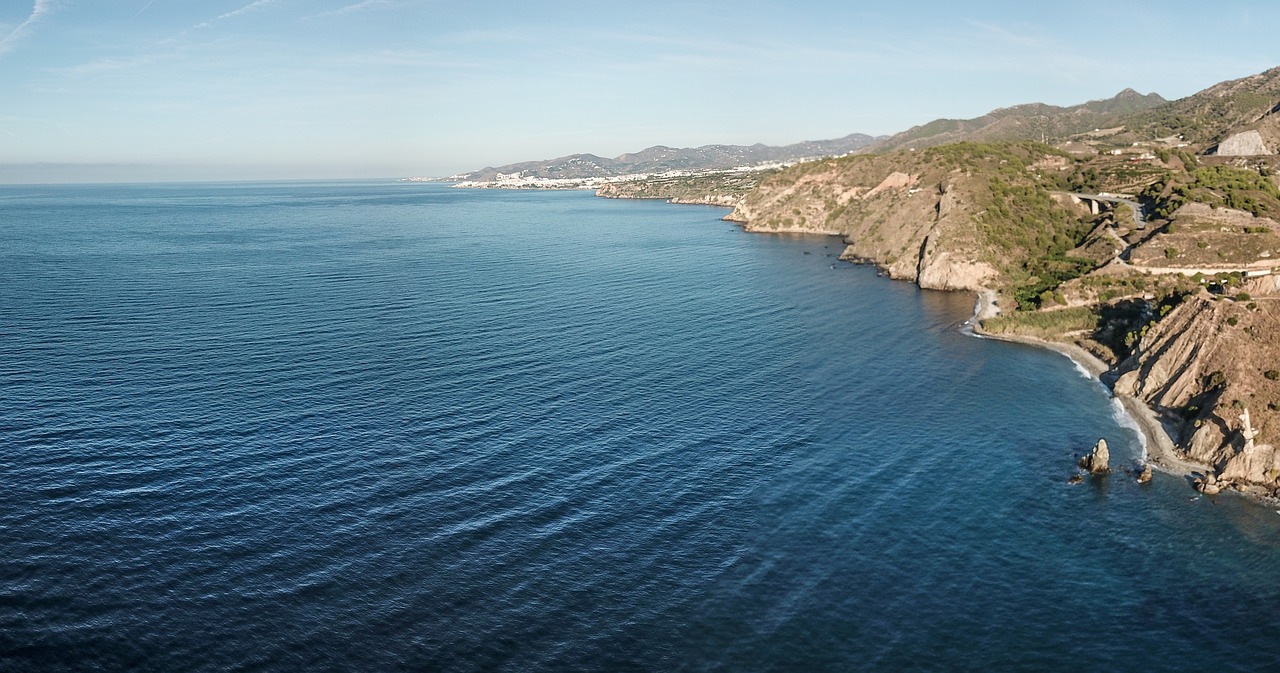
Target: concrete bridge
1094,202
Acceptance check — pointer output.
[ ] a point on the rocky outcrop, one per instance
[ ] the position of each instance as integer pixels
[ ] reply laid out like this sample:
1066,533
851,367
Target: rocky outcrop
1202,366
1208,484
939,269
1167,369
896,180
1099,460
1259,466
913,216
1245,144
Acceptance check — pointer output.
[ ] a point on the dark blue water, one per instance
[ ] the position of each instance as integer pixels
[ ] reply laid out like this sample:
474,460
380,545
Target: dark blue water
343,426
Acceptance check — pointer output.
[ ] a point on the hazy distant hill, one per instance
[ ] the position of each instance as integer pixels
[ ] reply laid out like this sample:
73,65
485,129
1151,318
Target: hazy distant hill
1033,121
659,158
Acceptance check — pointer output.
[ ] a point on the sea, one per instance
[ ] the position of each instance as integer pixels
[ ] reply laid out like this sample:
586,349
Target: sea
391,426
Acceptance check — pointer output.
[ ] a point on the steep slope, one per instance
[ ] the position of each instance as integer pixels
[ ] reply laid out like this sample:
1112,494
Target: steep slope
1203,366
1206,118
964,216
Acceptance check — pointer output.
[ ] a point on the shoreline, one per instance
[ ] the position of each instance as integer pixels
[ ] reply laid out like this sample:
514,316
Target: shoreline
1159,450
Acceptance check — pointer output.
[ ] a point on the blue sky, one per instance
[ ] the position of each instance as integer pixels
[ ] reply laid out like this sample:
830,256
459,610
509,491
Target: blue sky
105,90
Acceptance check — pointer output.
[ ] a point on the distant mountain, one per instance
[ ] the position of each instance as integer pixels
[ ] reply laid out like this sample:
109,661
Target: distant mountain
1033,121
658,159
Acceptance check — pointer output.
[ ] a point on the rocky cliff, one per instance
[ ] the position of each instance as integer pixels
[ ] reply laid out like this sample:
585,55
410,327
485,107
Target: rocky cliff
1206,364
959,217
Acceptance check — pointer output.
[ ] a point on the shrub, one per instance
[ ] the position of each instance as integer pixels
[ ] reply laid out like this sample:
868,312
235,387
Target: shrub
1170,253
1233,321
1272,374
1243,296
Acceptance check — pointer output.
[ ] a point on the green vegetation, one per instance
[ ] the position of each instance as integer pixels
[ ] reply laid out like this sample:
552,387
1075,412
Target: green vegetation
1202,119
1042,275
1026,231
1216,380
1044,324
1238,188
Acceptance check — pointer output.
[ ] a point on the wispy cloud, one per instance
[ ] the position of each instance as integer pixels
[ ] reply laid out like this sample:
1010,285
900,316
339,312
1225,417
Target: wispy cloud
102,65
251,7
38,11
357,7
144,8
367,5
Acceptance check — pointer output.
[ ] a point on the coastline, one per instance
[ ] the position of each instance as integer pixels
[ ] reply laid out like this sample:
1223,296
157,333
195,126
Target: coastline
1159,450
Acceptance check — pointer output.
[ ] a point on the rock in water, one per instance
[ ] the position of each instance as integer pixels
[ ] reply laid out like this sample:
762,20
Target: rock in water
1209,485
1145,475
1099,460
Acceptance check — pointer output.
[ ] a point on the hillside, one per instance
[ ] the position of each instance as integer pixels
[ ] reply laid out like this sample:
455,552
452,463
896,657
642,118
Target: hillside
1033,121
961,216
1209,116
661,159
1181,299
1151,243
718,188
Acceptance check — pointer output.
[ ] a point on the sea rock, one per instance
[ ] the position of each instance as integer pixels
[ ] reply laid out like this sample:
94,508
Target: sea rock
1208,484
1259,465
1145,475
1098,461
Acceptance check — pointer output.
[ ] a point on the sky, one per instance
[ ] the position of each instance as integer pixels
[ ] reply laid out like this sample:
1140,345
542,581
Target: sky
171,90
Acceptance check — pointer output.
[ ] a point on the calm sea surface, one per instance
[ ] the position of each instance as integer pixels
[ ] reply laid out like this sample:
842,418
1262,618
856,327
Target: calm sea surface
377,427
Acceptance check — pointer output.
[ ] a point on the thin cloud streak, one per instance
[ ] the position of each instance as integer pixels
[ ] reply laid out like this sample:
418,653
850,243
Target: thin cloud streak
251,7
356,7
144,8
38,11
255,5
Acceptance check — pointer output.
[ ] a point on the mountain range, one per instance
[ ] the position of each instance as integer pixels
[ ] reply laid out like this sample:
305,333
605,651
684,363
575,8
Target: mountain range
1202,119
660,159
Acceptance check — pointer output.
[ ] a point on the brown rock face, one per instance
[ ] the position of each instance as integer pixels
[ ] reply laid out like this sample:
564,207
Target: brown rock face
913,216
1206,364
1099,460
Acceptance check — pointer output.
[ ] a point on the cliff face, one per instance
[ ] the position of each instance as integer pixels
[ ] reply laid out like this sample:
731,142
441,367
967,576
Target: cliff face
1204,365
943,218
918,234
